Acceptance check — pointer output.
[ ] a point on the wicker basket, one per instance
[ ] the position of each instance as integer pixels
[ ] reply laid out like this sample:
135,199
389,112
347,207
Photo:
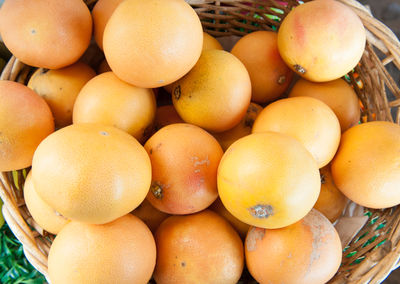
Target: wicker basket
375,251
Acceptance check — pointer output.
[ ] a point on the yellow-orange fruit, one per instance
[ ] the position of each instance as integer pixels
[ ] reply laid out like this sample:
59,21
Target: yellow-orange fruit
98,173
268,180
308,251
159,43
122,251
103,67
226,138
150,215
59,88
108,100
25,120
47,34
269,75
331,202
101,13
308,120
209,42
184,160
166,115
42,213
366,166
337,94
198,248
240,227
215,94
321,40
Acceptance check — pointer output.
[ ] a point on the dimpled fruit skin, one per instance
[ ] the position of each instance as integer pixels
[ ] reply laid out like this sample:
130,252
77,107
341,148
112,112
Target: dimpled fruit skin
308,120
322,40
91,173
42,213
101,13
268,180
198,248
25,120
47,34
184,160
366,167
209,42
331,201
269,75
60,87
122,251
306,252
215,94
337,94
108,100
159,43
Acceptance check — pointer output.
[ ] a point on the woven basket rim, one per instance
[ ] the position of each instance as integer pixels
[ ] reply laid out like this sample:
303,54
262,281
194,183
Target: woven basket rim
381,261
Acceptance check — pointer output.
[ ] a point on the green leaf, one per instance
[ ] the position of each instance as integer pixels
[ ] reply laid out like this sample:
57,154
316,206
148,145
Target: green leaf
14,268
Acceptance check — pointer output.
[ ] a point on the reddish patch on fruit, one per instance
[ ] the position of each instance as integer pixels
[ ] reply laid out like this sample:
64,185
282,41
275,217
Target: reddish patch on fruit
299,31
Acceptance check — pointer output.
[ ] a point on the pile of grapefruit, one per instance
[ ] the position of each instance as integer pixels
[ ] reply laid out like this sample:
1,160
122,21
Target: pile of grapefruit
247,164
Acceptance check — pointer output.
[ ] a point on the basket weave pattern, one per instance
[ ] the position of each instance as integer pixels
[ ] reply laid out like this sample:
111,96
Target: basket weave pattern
375,251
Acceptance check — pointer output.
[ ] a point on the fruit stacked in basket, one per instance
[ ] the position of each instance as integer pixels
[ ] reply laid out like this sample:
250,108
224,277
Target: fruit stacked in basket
182,162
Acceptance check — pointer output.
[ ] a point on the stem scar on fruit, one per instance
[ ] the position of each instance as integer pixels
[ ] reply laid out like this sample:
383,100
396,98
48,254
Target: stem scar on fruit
177,92
299,69
261,211
157,190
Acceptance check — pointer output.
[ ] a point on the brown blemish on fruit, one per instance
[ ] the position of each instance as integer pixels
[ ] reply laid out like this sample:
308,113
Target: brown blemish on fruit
155,149
177,92
254,235
183,264
281,80
323,181
300,69
261,211
314,221
157,189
